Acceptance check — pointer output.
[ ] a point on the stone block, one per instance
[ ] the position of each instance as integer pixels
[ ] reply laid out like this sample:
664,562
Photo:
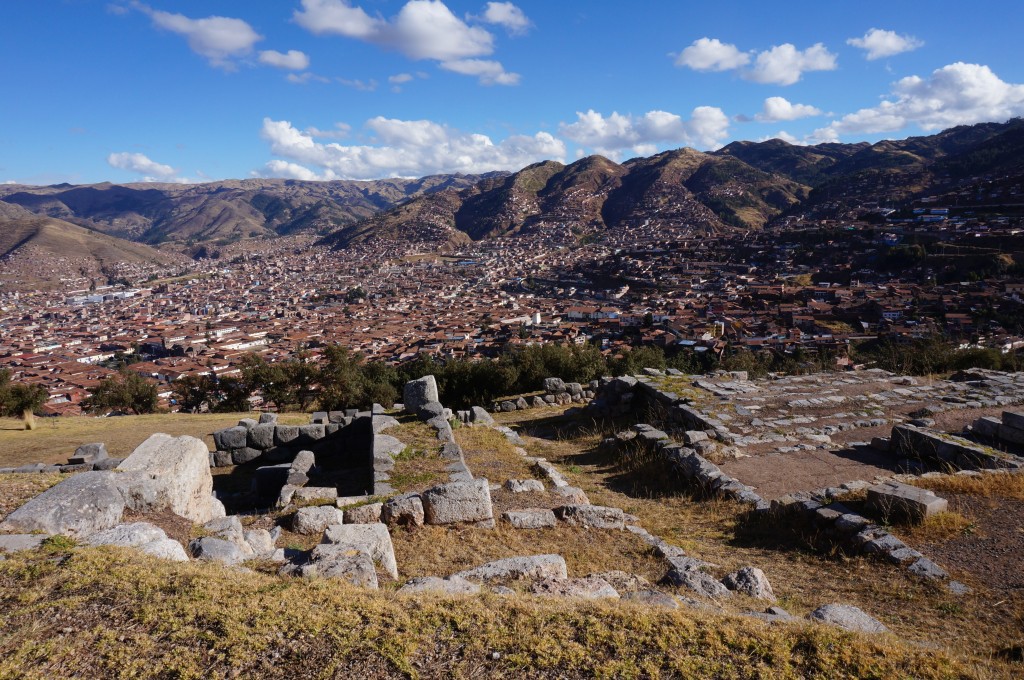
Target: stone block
310,434
244,455
592,516
406,510
261,437
230,438
894,499
529,567
285,435
268,419
530,518
1013,419
416,393
88,453
458,502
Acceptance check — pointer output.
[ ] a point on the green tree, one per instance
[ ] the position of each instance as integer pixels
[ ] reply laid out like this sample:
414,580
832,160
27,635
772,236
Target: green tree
123,391
340,379
192,391
20,399
271,380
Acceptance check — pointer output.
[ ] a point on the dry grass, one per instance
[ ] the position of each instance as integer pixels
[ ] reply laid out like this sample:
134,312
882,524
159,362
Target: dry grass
54,439
941,526
440,551
488,454
17,489
987,485
419,466
109,613
976,628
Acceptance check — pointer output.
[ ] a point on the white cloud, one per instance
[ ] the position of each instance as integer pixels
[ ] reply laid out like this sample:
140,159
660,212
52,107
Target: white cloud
785,64
218,39
140,164
710,54
786,137
293,60
338,131
957,94
779,65
508,15
779,108
422,29
361,85
880,44
305,77
286,170
616,133
400,78
407,148
489,72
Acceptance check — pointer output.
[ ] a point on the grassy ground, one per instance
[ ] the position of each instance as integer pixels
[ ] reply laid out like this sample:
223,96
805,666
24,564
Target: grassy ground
106,613
54,439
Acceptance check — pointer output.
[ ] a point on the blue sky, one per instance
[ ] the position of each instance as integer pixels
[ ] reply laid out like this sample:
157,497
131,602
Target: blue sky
193,90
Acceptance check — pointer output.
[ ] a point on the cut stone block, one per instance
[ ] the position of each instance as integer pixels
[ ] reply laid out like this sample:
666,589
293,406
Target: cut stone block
893,499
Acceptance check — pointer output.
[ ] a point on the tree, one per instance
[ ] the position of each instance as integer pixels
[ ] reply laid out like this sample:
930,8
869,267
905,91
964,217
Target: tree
123,391
192,391
341,379
21,400
271,380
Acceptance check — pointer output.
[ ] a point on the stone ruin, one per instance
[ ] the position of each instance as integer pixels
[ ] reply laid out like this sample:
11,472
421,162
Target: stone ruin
334,473
703,428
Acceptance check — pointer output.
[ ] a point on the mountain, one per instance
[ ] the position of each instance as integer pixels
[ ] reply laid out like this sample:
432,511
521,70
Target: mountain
221,212
744,185
848,177
591,195
39,251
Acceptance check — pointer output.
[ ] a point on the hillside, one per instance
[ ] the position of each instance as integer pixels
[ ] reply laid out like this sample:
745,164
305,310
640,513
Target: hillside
220,212
37,251
592,195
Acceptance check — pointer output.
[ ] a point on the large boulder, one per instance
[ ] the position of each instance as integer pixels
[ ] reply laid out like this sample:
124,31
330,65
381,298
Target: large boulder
79,506
457,502
170,473
373,539
531,567
417,393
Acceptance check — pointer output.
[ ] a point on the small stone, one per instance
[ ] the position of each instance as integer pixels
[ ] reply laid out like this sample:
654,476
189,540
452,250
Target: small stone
847,617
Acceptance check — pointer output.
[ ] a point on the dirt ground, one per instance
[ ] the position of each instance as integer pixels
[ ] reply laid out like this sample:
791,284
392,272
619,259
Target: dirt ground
775,475
993,549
